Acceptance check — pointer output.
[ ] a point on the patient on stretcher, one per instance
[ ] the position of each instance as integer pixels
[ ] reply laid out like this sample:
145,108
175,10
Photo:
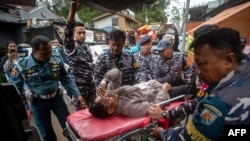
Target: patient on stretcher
131,101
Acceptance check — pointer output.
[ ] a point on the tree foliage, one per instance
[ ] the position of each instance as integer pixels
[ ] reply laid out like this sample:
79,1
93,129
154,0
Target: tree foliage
86,14
155,12
176,16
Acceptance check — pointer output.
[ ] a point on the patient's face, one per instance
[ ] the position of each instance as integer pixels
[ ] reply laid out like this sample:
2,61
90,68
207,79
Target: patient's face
108,100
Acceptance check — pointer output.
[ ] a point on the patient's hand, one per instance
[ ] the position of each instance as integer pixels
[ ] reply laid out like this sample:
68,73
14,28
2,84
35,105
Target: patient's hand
101,89
166,87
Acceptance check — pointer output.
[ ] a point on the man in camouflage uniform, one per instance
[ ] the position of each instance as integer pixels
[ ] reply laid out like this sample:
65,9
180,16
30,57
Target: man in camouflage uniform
116,57
144,58
79,56
219,62
169,65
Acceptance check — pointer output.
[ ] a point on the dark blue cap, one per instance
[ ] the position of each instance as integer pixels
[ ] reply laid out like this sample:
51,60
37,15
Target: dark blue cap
162,45
145,39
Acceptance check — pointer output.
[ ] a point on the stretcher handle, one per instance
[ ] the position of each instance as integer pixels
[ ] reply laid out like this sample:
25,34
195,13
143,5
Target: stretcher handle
170,100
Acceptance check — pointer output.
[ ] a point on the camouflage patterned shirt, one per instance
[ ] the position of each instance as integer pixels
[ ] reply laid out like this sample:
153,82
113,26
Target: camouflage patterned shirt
81,63
172,67
144,72
125,62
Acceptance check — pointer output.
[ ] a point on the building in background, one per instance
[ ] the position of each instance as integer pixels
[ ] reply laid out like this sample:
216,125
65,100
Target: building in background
123,20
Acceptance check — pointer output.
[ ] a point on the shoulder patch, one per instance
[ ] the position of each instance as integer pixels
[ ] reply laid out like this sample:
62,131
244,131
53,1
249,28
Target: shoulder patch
14,72
136,65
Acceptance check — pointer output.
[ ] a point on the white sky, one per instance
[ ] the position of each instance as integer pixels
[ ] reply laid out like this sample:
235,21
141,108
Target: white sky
180,3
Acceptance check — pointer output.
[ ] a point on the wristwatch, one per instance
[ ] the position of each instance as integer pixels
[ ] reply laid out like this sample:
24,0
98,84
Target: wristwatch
164,114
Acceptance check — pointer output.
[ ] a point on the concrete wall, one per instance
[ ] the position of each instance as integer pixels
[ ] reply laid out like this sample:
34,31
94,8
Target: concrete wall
107,21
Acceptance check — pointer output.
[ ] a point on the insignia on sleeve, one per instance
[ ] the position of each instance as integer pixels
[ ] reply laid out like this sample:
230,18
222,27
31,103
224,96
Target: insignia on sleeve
14,72
135,65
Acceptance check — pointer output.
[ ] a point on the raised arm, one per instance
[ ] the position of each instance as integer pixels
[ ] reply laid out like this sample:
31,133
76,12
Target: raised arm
74,6
69,44
176,39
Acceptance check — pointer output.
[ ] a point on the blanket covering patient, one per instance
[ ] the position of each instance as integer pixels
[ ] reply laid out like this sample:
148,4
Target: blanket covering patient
131,101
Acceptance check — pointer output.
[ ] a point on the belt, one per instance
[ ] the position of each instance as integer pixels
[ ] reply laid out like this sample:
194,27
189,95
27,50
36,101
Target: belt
48,96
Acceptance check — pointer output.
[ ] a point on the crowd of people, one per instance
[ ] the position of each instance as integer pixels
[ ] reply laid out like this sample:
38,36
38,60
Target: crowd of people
130,80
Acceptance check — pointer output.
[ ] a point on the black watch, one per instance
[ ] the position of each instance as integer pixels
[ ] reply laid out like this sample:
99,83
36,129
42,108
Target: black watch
164,114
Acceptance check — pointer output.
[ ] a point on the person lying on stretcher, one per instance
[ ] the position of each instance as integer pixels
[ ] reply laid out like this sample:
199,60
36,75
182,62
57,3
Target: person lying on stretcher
131,101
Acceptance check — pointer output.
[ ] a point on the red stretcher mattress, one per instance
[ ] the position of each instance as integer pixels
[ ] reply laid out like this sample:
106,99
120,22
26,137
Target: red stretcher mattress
89,128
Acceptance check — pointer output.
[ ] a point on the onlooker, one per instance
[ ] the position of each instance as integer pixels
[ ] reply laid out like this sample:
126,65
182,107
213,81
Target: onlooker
131,37
79,56
144,58
116,57
42,72
132,49
57,49
154,36
169,65
7,61
218,57
132,101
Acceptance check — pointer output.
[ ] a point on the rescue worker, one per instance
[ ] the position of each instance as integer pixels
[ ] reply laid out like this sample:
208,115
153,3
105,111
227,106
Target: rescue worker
219,62
116,57
169,65
79,56
42,73
144,58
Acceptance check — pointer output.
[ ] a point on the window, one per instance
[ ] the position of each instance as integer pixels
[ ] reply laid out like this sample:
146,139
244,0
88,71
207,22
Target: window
115,22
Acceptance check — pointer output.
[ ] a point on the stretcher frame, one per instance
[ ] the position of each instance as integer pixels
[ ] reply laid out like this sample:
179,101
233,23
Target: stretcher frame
139,133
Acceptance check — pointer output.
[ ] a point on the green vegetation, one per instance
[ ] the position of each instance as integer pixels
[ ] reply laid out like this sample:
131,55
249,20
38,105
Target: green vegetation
154,12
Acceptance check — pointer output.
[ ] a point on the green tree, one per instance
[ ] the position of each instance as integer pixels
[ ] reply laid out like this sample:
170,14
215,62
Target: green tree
155,12
85,13
176,17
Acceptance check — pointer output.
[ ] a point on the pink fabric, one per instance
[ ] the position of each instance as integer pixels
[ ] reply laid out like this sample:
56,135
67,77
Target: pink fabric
89,128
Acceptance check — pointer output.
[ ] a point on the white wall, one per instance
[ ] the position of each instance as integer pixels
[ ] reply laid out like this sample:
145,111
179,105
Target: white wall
107,21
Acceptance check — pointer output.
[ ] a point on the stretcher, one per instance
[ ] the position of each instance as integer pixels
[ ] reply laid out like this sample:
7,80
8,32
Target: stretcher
82,126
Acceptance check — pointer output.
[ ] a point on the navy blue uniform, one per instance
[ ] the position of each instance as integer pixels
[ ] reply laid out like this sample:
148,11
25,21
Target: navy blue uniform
81,63
125,62
42,79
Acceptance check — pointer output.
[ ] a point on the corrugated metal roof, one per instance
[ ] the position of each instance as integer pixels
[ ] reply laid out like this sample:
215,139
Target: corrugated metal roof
9,18
42,13
119,13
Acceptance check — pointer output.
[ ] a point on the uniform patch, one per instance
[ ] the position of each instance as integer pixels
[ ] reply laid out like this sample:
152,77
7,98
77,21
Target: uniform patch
207,117
30,71
135,65
14,72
